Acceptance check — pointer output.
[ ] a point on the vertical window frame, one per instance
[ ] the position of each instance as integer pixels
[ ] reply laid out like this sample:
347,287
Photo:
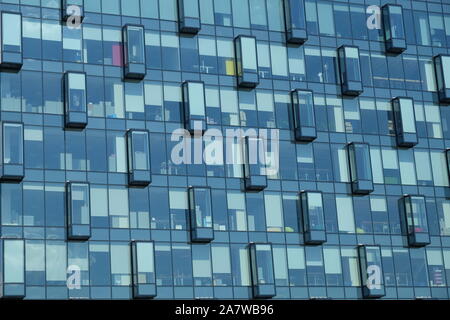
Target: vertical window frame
393,44
12,172
371,288
261,290
186,23
246,77
74,119
137,177
142,290
404,139
360,185
193,123
202,233
296,32
312,235
306,133
411,229
133,70
349,87
80,232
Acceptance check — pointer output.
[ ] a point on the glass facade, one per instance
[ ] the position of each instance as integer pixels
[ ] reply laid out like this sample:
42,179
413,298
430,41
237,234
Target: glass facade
102,198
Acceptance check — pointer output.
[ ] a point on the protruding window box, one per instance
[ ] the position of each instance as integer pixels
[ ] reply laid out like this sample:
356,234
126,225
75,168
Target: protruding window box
12,275
350,70
189,16
415,220
304,115
138,158
442,68
255,178
75,100
200,211
78,211
371,271
72,9
11,38
405,122
262,270
12,168
134,52
360,168
246,61
295,18
394,28
194,106
311,204
143,268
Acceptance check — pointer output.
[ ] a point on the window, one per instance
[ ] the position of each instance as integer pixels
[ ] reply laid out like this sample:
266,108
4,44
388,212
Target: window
274,212
394,30
246,61
436,268
75,100
405,122
13,269
326,19
442,65
11,204
200,209
415,217
138,158
11,53
360,168
294,11
143,264
221,265
118,207
189,16
304,115
371,266
313,217
345,215
333,267
237,211
194,106
78,211
254,171
120,264
296,266
263,277
350,70
12,147
201,261
134,53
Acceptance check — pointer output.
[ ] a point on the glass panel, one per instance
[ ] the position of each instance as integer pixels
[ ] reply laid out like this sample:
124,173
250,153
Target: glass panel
248,51
141,153
203,210
196,99
135,42
80,204
315,211
352,64
13,144
14,261
145,263
264,264
12,32
77,92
